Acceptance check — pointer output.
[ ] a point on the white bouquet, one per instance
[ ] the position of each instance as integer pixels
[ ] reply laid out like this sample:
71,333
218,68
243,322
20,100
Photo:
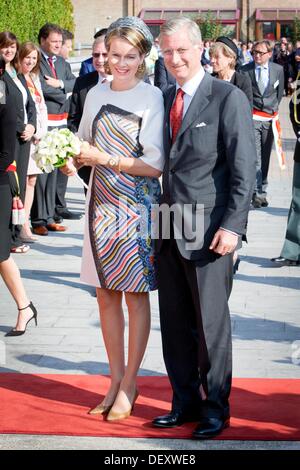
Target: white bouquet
55,148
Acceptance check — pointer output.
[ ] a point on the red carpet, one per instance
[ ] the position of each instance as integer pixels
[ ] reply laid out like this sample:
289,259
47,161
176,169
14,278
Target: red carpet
262,409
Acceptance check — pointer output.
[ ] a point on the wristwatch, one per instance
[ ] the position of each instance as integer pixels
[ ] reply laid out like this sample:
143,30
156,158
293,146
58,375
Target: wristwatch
114,163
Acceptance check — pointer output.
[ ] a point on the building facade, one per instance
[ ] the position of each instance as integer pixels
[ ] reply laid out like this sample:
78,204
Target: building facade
244,19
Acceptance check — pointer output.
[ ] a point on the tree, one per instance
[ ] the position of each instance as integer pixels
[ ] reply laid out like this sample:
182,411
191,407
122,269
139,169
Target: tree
211,27
24,18
296,29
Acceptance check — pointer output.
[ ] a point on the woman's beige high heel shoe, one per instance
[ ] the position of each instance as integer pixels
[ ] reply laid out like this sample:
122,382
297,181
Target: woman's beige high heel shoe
100,409
114,416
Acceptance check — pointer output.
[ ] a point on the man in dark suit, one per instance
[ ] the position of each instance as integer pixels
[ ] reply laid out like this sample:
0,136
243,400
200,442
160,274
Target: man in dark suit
267,84
81,88
207,183
57,82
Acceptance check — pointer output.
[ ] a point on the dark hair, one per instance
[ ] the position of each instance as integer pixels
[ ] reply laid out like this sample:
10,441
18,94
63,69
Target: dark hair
8,38
67,35
47,29
101,32
2,66
25,49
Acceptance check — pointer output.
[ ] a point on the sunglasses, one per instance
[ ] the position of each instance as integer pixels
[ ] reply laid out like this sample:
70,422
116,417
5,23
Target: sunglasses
259,53
96,55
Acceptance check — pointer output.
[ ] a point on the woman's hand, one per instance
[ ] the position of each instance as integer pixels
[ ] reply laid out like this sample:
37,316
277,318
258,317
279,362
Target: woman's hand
91,156
69,168
28,132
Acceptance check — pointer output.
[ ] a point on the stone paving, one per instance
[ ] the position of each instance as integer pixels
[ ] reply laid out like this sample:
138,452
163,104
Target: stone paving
265,311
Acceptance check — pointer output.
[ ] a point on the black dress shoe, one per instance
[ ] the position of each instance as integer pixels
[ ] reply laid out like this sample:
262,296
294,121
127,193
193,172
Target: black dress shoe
210,427
285,262
173,419
66,214
256,202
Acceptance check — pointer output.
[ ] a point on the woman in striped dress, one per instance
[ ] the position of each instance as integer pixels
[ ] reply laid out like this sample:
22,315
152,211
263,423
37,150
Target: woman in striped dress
123,120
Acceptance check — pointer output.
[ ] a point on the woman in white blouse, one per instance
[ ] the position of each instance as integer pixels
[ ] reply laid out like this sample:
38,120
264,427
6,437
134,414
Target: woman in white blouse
123,122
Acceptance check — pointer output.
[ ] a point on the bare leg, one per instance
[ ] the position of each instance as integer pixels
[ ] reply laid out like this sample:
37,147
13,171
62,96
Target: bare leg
31,180
112,325
12,278
139,329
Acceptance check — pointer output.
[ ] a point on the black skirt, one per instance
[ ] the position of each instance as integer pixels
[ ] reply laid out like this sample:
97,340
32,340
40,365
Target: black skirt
5,221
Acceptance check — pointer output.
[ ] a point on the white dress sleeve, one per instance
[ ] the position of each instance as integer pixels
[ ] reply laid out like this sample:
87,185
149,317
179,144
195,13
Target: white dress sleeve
151,134
88,115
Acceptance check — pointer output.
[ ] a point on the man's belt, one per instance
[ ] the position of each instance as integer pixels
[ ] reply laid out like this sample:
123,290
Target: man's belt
57,120
277,132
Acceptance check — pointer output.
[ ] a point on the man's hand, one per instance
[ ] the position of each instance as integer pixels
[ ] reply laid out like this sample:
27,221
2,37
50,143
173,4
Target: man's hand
52,81
224,242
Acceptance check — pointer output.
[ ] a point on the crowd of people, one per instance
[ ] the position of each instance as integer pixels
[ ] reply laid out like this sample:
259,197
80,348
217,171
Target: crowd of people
194,137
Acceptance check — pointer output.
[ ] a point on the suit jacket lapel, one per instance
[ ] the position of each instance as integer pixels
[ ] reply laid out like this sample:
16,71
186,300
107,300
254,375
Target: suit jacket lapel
167,134
46,64
198,104
272,75
58,65
253,76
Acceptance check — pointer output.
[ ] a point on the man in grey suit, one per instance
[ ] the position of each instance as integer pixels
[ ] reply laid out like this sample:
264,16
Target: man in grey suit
267,84
209,174
57,82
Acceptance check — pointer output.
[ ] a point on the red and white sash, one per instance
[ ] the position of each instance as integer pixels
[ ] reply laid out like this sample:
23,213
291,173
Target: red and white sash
57,120
276,128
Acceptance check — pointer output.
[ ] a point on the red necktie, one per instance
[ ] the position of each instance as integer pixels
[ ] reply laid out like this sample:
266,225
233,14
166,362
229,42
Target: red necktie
176,113
50,60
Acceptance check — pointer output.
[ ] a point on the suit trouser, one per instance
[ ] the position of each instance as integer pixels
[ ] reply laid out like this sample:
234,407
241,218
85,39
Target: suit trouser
291,247
43,207
61,188
263,140
49,192
196,330
22,151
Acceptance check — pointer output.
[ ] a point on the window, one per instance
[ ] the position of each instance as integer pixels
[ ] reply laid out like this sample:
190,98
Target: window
269,30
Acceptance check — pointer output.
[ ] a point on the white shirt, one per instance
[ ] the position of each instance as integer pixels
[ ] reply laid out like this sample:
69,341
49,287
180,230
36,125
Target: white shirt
264,71
190,89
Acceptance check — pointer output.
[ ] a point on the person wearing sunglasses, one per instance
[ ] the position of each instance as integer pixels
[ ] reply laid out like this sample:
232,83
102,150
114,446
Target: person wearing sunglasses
267,80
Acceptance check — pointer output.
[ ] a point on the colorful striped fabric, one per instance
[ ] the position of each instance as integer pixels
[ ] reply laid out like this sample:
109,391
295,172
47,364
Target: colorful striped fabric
119,207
